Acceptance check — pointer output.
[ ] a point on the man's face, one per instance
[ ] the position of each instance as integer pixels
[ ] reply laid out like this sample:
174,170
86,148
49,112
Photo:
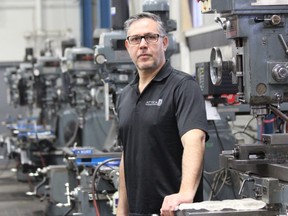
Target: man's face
147,56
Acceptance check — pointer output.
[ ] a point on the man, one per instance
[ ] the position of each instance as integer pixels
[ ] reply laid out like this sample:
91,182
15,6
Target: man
162,126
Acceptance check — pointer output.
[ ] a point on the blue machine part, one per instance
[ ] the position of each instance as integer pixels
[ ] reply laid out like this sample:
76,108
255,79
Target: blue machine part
41,134
89,156
95,161
32,131
24,126
82,151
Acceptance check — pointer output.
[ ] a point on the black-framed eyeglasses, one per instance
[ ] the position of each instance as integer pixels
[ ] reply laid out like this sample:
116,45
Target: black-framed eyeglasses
149,38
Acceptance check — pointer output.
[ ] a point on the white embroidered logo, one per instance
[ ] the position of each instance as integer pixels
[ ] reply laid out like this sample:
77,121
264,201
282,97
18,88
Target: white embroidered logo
154,103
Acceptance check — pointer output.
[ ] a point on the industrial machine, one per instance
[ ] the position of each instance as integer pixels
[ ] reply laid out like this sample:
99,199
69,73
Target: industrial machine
80,124
96,166
114,64
259,31
11,79
97,189
81,118
47,86
162,8
25,85
69,93
71,149
20,82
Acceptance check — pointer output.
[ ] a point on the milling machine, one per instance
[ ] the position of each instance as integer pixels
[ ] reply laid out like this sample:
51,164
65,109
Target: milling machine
80,124
81,119
259,68
47,86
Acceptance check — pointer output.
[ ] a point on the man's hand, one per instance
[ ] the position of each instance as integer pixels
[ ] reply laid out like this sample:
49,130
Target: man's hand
171,202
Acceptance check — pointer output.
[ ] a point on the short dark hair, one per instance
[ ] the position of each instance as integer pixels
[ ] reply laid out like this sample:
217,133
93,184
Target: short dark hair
143,15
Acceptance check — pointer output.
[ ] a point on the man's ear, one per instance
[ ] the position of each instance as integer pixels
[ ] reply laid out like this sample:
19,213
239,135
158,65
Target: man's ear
126,44
165,42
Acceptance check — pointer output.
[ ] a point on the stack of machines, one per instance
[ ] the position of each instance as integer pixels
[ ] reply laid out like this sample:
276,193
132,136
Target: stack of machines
67,146
65,131
259,69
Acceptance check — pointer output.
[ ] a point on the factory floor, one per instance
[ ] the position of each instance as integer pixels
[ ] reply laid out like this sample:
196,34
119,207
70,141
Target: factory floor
13,198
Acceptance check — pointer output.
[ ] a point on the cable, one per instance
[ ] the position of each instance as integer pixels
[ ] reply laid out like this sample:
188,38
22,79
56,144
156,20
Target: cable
100,124
213,186
250,128
213,172
225,177
94,180
245,128
205,178
212,192
249,122
278,113
70,209
218,137
69,143
42,159
225,180
249,135
74,135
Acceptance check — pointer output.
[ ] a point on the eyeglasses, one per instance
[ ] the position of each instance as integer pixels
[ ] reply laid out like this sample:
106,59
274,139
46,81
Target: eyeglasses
149,38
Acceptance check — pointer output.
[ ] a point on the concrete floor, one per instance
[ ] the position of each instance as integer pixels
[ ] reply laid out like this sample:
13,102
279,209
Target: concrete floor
13,198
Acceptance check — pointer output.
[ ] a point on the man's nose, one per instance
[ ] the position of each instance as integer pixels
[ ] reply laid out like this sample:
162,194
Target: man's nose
141,42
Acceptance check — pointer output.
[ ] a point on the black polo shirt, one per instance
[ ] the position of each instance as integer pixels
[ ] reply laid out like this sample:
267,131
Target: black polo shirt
150,128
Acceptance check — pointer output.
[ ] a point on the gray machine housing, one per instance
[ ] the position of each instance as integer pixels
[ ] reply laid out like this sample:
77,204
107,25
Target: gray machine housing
259,32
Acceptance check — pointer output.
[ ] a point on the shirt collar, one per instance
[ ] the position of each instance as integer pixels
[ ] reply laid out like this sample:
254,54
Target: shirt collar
164,72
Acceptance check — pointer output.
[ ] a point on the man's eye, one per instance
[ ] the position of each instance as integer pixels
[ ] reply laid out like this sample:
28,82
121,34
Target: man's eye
133,39
151,37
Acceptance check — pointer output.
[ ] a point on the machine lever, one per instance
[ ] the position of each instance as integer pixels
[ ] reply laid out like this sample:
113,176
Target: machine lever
273,20
219,21
243,183
36,188
283,43
258,19
67,194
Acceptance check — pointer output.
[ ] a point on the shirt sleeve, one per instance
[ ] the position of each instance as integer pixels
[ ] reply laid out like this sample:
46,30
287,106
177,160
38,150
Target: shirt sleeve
190,107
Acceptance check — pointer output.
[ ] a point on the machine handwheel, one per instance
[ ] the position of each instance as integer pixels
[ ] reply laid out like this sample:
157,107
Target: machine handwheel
216,65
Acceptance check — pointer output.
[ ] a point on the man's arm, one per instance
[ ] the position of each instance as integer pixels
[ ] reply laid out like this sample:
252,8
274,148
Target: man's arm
122,209
192,164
